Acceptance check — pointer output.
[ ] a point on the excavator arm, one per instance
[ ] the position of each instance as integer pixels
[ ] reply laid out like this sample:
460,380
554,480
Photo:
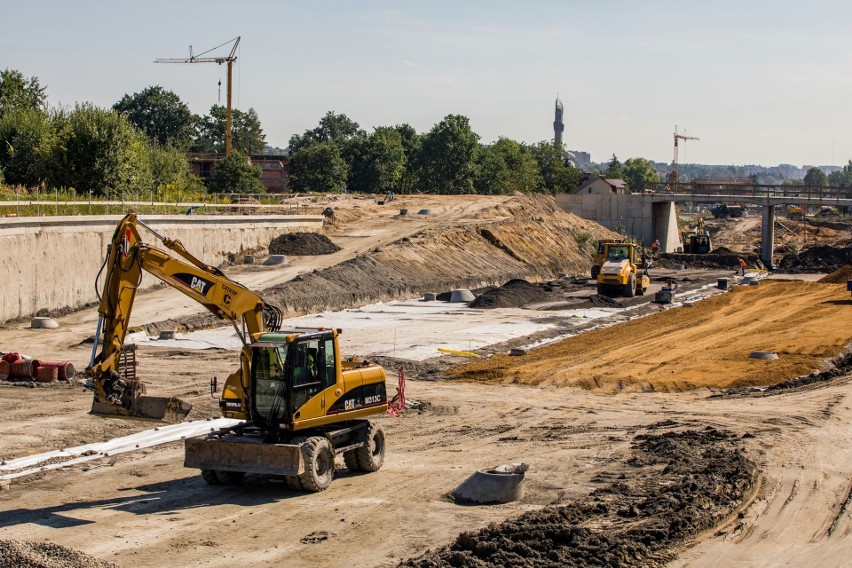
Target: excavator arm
128,256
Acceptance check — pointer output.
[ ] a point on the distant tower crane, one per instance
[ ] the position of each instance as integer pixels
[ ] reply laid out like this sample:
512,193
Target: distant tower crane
229,59
675,177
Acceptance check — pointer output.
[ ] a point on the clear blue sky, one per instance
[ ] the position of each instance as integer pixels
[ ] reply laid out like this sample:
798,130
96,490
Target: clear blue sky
758,81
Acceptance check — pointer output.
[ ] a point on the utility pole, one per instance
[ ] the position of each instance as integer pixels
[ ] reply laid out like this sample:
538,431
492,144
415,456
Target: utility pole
229,59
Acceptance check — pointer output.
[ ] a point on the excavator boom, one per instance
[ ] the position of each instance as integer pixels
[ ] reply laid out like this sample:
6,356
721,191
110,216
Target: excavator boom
128,256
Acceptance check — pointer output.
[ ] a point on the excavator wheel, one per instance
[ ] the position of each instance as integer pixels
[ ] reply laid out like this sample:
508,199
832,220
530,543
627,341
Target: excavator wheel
640,291
630,287
371,456
230,477
319,464
209,475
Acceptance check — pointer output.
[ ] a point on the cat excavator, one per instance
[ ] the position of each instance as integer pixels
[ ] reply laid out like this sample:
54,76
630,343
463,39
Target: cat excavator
299,402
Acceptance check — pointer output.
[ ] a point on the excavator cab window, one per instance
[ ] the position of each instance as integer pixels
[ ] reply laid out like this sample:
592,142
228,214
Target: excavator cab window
307,379
270,382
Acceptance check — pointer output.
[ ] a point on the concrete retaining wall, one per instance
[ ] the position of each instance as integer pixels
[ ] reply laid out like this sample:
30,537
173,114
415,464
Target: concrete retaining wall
638,215
50,263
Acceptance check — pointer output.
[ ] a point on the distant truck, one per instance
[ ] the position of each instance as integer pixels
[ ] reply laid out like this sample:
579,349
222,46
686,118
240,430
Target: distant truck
795,212
724,210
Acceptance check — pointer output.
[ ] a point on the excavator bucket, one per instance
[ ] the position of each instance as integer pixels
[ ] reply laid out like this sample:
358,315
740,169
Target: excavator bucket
163,408
131,401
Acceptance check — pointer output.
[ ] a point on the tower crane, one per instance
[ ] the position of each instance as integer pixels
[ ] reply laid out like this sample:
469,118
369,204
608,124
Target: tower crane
229,59
675,177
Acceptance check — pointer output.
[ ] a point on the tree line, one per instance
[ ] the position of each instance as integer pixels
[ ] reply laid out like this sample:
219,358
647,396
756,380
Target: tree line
140,145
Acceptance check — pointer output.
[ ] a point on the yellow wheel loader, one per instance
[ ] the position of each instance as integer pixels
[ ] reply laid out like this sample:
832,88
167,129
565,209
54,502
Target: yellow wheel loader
624,271
300,402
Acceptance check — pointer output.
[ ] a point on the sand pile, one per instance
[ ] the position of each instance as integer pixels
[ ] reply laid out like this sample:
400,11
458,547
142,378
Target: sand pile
27,554
706,345
302,244
839,276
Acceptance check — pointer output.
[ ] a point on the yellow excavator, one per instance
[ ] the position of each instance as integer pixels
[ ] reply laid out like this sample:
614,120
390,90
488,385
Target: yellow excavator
300,403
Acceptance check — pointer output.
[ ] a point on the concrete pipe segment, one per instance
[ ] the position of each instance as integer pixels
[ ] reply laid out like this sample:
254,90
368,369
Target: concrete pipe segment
274,259
462,295
502,484
765,355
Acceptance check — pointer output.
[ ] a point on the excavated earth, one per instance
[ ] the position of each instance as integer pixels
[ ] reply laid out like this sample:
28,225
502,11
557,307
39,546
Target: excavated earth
651,440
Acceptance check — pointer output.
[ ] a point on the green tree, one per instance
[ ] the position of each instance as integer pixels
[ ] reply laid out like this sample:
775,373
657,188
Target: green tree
337,128
170,173
842,177
318,166
378,161
99,150
161,115
505,167
640,174
246,133
18,92
235,174
447,158
411,142
815,177
614,169
26,144
557,176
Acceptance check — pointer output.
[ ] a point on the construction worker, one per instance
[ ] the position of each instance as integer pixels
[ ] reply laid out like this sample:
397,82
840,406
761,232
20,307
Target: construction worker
742,266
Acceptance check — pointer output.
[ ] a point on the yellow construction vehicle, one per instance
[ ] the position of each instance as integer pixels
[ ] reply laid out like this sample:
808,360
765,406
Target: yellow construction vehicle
300,402
600,256
624,271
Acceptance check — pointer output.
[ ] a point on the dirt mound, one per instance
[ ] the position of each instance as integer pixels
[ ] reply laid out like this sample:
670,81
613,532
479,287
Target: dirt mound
27,554
839,276
512,294
684,483
723,250
302,244
816,259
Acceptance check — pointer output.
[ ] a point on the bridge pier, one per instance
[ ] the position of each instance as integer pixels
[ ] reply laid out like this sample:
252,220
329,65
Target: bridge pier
767,235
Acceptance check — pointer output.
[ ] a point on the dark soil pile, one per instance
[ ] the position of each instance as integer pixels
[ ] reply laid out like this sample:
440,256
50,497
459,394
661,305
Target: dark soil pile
839,276
302,244
713,260
597,301
512,294
684,482
816,259
26,554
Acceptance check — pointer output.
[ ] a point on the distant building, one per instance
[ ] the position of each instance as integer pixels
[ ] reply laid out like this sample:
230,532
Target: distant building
558,125
581,159
600,185
275,178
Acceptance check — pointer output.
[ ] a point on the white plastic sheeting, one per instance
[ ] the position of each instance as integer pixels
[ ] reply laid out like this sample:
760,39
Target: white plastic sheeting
28,465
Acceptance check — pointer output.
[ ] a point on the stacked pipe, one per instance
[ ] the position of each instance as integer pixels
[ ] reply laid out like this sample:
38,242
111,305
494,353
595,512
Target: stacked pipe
36,369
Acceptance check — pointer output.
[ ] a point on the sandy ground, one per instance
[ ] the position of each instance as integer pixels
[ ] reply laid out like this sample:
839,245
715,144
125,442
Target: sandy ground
144,509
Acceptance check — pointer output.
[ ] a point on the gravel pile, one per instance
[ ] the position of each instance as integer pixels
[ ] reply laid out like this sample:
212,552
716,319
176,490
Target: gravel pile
512,294
816,259
28,554
302,244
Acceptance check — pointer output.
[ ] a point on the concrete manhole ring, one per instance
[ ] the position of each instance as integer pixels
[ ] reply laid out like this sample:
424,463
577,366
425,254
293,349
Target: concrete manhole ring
765,355
43,323
501,484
